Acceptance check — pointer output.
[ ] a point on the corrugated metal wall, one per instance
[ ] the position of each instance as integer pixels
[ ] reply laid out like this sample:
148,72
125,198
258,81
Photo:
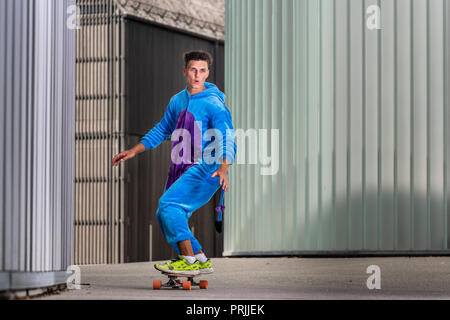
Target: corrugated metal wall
36,164
363,124
98,137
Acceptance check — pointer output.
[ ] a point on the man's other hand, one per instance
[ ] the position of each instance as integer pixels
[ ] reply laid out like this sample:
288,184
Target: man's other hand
222,174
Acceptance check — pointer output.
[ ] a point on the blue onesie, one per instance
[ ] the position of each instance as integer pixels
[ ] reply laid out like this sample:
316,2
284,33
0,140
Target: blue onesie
202,131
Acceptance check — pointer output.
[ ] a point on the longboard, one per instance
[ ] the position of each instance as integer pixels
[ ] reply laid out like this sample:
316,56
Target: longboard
176,283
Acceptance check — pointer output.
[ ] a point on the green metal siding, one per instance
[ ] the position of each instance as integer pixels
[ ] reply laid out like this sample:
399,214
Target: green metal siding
363,125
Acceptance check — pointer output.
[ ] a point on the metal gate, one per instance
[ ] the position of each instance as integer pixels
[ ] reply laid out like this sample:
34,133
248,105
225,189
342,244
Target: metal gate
98,223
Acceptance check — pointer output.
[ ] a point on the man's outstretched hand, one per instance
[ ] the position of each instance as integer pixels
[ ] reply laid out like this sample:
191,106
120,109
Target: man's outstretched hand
222,174
123,156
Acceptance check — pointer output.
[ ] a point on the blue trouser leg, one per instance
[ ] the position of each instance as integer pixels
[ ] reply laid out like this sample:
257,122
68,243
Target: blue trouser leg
190,192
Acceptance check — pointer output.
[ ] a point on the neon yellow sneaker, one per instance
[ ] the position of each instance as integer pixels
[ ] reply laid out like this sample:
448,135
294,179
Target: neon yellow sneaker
179,265
205,267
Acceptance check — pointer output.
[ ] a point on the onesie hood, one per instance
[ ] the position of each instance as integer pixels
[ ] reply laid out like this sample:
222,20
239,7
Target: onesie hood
210,91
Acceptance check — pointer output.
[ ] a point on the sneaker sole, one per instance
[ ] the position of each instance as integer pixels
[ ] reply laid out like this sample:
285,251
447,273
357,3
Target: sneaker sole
208,270
187,272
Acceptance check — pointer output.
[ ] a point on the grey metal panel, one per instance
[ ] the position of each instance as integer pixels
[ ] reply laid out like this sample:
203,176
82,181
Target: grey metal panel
435,86
37,60
5,283
2,119
30,280
403,114
363,128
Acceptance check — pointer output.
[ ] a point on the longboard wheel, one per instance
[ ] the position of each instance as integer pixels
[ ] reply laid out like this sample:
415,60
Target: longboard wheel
186,285
156,284
203,284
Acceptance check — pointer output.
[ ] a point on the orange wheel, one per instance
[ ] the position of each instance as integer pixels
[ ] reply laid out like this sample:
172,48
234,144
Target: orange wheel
203,284
156,284
186,285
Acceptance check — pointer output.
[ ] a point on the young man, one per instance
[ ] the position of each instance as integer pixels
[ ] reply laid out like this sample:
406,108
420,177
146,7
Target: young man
199,163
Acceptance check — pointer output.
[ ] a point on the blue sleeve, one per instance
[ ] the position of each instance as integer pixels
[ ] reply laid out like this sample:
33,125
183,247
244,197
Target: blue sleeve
221,120
162,130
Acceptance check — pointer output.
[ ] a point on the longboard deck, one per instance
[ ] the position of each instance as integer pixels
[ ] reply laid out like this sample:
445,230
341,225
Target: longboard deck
175,283
180,274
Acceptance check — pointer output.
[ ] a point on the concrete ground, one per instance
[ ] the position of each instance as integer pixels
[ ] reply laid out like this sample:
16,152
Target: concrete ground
275,278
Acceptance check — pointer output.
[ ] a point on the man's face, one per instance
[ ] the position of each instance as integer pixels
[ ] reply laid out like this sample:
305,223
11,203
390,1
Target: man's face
196,73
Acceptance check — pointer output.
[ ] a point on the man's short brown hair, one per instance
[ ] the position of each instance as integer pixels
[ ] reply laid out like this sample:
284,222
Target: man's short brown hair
197,55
